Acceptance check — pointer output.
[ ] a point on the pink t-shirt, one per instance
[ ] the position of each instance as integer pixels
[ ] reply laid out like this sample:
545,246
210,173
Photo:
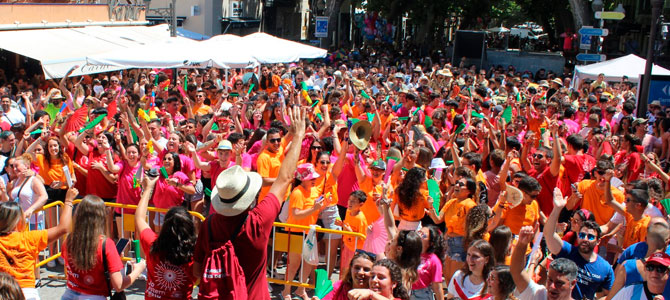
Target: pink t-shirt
167,196
347,181
126,193
187,165
430,270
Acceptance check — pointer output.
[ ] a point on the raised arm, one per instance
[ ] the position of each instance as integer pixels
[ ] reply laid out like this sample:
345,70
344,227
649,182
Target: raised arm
555,166
196,159
290,161
64,225
519,276
79,142
341,158
609,198
554,242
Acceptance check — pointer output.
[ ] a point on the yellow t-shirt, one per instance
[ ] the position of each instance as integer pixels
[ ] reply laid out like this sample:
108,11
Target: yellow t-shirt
369,208
636,230
330,186
417,211
18,254
454,213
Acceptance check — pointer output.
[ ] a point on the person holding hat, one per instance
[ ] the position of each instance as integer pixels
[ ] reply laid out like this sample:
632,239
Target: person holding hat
304,207
234,200
656,269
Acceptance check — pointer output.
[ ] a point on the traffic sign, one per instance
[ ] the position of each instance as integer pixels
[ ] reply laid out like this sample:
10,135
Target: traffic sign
321,30
590,57
594,31
610,15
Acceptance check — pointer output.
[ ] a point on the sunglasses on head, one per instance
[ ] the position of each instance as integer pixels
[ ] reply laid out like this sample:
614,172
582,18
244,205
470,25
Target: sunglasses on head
587,236
370,254
658,268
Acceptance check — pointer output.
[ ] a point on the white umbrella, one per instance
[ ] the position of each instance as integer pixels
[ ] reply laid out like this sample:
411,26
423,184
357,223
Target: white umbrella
270,49
172,53
498,29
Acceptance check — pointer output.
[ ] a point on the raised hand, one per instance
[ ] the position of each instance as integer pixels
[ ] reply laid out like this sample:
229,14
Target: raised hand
559,200
297,117
526,235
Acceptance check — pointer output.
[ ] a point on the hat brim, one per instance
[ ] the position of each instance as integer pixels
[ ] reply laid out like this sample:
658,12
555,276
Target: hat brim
242,204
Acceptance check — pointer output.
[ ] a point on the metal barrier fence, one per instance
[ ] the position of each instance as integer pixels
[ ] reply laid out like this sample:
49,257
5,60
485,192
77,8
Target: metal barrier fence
282,241
289,242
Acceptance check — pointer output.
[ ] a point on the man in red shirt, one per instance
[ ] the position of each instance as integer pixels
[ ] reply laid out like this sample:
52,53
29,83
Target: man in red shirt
546,167
575,164
234,200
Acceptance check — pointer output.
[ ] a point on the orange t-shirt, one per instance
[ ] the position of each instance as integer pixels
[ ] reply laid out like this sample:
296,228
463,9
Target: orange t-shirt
23,248
330,186
53,171
201,110
417,211
454,213
636,230
359,224
594,200
520,216
369,208
302,199
267,165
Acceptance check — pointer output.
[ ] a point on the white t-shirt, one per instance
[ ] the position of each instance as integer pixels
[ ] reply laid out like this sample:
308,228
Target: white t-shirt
469,289
14,116
628,292
533,291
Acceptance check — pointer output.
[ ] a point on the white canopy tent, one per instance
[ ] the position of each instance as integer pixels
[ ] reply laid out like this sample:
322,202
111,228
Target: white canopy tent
60,49
174,53
269,49
630,65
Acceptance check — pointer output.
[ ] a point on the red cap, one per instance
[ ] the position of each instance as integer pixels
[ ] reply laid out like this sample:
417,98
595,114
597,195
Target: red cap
660,258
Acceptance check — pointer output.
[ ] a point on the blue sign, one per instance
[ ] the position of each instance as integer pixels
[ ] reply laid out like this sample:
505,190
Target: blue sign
590,57
593,31
321,28
659,89
585,42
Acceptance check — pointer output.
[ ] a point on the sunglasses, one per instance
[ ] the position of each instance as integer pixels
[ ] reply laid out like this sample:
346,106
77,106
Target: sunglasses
370,254
538,156
658,268
600,172
585,236
316,147
460,183
277,140
324,162
115,81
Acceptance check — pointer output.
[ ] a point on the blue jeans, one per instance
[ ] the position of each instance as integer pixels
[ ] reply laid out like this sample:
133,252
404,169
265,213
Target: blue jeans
72,295
455,249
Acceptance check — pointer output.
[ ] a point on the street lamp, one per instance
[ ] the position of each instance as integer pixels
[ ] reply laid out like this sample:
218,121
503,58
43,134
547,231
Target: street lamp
169,14
656,6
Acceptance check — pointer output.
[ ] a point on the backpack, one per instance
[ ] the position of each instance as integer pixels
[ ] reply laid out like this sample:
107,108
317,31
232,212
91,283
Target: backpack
222,276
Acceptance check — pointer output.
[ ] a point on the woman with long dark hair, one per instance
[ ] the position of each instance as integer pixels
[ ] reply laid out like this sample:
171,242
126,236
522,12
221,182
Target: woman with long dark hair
501,241
453,213
88,250
429,283
269,82
171,250
385,283
170,189
357,276
412,199
470,281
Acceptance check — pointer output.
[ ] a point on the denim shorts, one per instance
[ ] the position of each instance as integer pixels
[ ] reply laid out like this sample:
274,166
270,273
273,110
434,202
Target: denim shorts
455,249
328,216
422,294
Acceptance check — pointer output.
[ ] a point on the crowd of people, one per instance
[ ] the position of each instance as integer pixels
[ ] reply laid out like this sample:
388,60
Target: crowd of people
466,183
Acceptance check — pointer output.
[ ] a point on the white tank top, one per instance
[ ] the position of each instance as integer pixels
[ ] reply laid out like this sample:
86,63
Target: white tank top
26,198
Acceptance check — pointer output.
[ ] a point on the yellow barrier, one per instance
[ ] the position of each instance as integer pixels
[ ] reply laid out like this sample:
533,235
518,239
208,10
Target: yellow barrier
282,241
292,243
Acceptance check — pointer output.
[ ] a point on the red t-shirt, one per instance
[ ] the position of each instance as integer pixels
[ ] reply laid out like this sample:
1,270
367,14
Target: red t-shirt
250,245
546,197
93,282
574,168
82,160
165,280
96,184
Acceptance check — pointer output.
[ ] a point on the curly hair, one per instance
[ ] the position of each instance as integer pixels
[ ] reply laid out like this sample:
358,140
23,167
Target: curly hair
399,291
408,189
176,241
475,224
